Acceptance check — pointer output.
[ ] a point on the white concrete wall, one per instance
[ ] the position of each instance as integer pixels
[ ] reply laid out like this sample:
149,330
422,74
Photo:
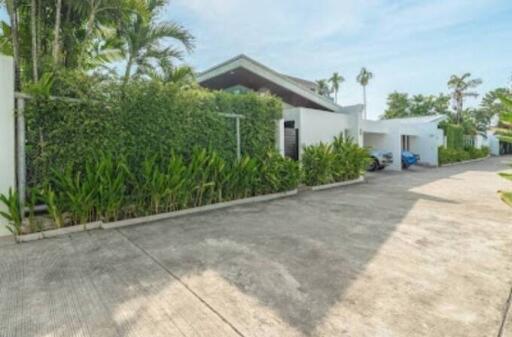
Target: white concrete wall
280,136
426,143
7,154
317,126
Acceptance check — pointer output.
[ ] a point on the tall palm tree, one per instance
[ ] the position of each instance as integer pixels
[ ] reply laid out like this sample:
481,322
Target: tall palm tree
364,78
336,80
322,88
142,37
460,86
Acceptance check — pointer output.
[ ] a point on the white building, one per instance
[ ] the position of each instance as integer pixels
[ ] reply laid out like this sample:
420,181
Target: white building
310,118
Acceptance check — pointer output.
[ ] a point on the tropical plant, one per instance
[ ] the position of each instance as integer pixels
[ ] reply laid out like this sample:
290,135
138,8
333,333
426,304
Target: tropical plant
317,164
322,88
400,105
336,80
13,212
461,87
350,160
142,37
364,78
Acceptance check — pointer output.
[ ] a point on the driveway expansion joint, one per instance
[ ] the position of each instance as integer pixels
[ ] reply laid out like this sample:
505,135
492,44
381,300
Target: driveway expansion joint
176,277
506,312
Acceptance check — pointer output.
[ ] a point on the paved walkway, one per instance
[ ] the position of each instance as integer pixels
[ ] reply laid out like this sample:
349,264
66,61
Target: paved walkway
423,253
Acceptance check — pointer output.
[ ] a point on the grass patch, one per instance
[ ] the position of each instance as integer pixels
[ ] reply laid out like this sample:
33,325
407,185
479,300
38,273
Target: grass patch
506,197
507,176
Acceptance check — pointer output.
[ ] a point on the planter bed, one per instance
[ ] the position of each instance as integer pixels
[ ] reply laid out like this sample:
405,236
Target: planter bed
465,162
335,185
197,210
151,218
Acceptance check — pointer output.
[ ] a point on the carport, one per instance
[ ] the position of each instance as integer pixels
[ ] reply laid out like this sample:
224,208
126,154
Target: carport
419,135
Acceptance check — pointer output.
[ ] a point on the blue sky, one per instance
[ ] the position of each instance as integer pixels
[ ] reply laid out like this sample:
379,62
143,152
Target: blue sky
410,45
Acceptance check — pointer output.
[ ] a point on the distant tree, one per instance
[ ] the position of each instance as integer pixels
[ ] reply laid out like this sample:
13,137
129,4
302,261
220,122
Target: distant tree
364,78
322,88
336,80
490,107
504,130
398,106
461,86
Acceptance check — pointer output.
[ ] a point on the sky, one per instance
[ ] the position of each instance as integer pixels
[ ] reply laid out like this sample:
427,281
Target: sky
411,46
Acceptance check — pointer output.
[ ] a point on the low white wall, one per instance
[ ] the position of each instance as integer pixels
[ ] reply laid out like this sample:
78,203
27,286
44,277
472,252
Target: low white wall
7,154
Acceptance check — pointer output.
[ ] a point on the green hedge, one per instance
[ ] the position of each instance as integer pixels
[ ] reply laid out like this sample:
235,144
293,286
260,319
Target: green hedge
148,118
339,161
449,155
454,136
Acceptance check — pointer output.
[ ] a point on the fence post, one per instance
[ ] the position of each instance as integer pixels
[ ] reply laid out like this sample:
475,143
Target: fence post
20,153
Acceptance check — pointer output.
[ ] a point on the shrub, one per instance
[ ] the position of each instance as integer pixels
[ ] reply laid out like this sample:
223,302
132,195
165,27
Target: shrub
317,164
145,118
328,163
106,189
450,155
13,213
454,136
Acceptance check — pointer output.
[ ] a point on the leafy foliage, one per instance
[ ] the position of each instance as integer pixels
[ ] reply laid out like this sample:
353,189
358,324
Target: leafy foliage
454,135
454,155
400,105
13,213
328,163
107,190
145,118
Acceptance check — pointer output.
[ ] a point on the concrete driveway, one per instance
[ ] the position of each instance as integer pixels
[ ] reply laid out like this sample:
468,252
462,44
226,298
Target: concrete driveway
421,253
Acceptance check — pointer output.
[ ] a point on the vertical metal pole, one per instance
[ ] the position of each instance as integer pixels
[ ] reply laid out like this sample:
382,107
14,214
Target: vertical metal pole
20,153
238,149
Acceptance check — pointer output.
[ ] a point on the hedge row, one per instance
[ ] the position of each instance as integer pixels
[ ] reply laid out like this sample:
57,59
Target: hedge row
449,155
146,118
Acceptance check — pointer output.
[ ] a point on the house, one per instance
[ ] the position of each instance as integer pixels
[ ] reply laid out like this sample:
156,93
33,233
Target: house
310,118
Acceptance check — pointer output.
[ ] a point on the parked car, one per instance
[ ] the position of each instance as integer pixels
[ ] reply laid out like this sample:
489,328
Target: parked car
380,159
409,159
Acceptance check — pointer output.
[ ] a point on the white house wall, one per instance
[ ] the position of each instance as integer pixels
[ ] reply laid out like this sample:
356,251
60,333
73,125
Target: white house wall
317,126
7,155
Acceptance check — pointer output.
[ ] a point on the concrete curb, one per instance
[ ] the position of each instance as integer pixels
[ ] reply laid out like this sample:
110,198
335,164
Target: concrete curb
163,216
197,210
52,233
335,185
465,162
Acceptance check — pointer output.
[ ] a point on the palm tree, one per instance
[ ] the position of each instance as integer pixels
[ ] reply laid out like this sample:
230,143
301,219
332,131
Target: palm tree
364,78
460,86
322,88
336,80
142,36
181,75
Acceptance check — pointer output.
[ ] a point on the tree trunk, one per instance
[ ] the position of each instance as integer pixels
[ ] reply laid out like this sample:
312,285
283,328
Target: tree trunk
33,30
90,21
365,115
56,33
128,70
13,16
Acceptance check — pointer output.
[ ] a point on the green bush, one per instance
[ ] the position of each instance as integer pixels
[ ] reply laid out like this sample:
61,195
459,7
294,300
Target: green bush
145,118
454,136
328,163
450,155
106,189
